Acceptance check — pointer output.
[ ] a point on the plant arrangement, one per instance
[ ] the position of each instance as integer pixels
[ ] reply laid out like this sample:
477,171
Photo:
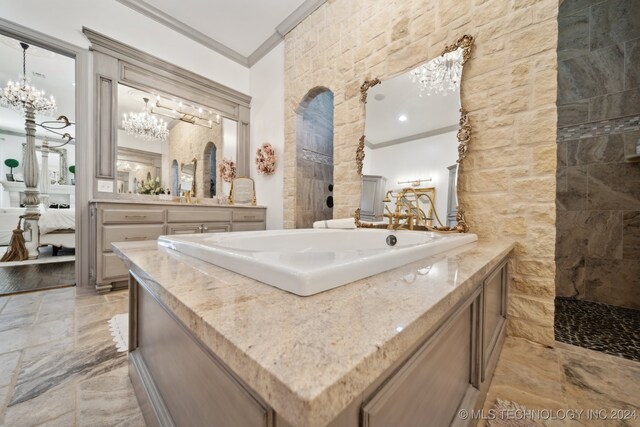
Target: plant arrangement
11,163
72,169
151,186
227,169
266,159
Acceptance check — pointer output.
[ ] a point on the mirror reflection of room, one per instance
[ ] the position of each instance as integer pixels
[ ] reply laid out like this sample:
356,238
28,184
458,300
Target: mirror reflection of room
411,146
171,146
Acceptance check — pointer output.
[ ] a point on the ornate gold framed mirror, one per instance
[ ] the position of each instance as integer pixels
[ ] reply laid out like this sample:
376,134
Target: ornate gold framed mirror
416,134
243,191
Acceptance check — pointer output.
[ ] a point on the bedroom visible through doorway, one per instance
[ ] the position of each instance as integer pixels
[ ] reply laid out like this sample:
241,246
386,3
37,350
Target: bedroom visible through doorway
37,186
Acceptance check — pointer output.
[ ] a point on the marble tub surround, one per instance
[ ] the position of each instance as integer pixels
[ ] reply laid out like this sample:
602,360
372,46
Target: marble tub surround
328,347
565,377
59,363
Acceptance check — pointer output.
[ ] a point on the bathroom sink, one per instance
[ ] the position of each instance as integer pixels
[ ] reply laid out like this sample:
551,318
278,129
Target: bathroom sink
306,262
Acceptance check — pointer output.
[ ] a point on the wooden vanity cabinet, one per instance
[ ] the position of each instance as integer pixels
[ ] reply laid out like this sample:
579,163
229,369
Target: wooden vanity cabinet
128,222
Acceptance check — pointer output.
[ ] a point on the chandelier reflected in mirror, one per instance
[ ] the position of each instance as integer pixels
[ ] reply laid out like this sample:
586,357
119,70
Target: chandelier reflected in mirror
441,75
144,125
21,95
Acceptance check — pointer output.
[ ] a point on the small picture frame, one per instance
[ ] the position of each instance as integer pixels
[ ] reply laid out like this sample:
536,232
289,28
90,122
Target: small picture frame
243,191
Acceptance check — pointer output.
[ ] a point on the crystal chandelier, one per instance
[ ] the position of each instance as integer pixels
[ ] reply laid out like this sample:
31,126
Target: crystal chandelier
145,126
22,95
440,75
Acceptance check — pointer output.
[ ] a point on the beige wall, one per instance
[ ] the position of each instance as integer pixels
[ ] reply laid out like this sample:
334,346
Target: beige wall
507,183
188,142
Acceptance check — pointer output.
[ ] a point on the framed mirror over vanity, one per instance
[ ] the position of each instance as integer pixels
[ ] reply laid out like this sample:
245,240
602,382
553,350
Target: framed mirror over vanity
162,133
416,134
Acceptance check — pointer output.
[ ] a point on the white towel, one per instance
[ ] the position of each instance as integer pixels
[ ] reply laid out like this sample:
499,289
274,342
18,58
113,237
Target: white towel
343,223
119,327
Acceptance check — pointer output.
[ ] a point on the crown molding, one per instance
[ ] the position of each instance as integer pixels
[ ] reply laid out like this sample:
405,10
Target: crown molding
298,15
408,138
289,23
104,44
167,20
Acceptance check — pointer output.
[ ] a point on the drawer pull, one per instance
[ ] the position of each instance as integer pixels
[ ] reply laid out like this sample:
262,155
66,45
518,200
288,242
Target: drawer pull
129,239
249,217
135,216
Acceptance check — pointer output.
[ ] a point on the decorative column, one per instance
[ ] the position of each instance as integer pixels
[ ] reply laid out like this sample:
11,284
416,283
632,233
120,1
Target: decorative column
31,194
45,182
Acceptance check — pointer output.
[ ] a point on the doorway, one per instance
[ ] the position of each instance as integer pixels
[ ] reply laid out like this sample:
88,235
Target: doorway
39,253
210,157
314,158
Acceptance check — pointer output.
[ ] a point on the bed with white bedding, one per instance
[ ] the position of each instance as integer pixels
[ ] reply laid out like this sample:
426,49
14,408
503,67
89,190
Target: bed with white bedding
57,226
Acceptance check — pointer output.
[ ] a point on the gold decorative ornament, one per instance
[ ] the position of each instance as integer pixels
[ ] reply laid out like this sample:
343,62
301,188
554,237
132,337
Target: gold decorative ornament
466,43
360,155
461,225
464,135
365,87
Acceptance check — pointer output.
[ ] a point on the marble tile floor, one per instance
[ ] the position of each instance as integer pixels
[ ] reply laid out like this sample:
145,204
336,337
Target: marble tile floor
567,377
601,327
58,364
59,367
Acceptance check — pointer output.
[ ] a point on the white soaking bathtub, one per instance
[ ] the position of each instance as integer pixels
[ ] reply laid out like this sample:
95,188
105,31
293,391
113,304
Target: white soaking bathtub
306,262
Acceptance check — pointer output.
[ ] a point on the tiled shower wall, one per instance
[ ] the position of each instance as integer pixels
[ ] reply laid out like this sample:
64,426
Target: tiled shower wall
315,161
598,192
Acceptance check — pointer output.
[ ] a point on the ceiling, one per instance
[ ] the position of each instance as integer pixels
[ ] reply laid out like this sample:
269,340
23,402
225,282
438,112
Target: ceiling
237,29
48,71
400,96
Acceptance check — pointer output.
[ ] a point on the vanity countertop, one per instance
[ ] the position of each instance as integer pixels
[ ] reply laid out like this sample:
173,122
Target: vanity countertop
309,357
171,203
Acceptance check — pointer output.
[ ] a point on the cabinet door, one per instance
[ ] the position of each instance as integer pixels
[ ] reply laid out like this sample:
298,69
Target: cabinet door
431,386
112,268
494,307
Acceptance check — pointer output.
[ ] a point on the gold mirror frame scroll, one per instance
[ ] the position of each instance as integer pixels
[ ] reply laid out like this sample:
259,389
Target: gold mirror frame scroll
464,136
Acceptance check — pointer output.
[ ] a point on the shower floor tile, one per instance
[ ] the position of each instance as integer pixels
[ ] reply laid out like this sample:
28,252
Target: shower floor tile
600,327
